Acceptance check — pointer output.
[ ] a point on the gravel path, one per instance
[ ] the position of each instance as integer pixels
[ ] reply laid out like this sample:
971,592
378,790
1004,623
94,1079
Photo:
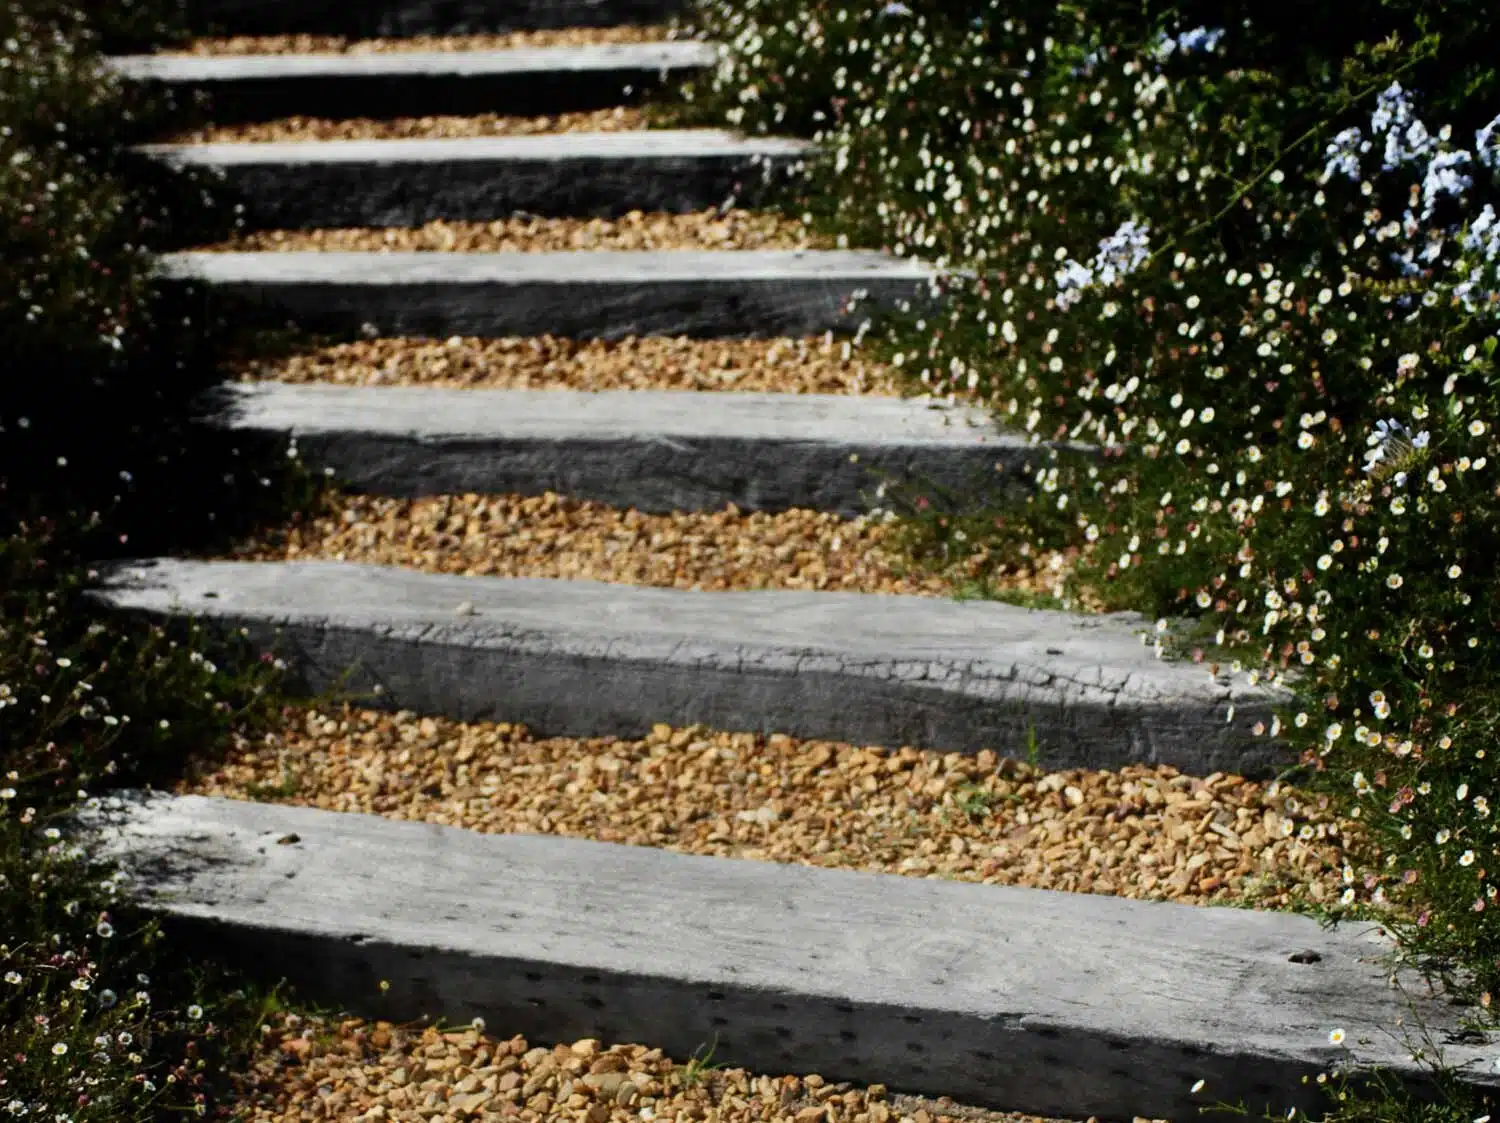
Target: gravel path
1141,832
560,537
309,1069
820,365
702,230
342,45
619,118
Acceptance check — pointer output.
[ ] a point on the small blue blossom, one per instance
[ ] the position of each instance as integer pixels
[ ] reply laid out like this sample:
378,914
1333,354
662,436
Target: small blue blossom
1123,252
1199,39
1486,146
1483,234
1445,176
1406,138
1072,279
1343,154
1120,254
1391,436
895,8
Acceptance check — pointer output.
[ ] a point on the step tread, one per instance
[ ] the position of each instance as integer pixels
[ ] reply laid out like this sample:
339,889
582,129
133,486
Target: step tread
865,632
1032,1000
440,413
590,658
208,69
624,145
526,268
658,451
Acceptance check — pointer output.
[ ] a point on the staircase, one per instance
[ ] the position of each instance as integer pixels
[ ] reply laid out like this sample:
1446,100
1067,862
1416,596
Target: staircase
1066,1005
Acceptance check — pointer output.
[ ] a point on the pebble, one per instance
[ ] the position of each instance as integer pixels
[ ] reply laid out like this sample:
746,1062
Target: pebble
341,44
553,536
817,365
972,818
346,1069
298,128
709,229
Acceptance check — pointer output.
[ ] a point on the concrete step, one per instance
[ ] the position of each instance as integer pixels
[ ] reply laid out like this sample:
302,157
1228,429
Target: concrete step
410,182
586,658
655,450
394,18
1028,1000
608,294
521,81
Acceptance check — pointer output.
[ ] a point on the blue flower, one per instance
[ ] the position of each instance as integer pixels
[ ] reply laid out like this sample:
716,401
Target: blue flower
1485,146
1343,153
1123,252
1445,177
1199,39
895,8
1406,138
1072,279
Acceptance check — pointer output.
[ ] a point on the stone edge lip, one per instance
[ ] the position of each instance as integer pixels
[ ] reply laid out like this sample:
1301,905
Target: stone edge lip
585,294
660,144
589,658
339,267
215,70
389,18
1016,1001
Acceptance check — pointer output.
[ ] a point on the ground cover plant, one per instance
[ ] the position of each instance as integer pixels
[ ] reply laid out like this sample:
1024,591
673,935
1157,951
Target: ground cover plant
1251,260
102,455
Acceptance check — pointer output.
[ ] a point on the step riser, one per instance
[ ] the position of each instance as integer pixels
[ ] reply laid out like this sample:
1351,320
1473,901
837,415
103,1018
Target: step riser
384,97
1059,1004
708,308
591,659
394,18
985,1061
410,193
657,476
569,695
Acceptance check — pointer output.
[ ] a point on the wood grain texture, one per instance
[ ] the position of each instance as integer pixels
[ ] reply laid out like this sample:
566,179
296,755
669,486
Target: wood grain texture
1054,1003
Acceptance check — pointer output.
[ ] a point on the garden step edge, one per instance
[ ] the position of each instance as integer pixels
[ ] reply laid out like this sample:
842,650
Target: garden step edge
310,184
655,450
579,294
520,81
1057,1004
589,658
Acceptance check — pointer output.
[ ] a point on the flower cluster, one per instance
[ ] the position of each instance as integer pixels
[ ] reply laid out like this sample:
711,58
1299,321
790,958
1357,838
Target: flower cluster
1281,336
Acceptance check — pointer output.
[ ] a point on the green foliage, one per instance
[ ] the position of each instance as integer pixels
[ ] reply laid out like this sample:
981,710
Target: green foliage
1179,258
103,453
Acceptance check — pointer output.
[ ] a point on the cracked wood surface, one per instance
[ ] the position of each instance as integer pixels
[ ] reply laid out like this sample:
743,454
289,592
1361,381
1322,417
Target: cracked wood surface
584,658
1054,1003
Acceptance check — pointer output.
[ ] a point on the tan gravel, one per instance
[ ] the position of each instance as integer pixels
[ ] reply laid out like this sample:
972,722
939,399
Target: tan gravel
821,365
613,120
709,229
1145,832
313,1068
554,536
343,45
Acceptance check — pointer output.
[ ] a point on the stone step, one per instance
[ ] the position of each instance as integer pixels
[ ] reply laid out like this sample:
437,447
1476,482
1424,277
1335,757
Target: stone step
655,450
305,185
605,294
395,18
1057,1004
586,658
523,81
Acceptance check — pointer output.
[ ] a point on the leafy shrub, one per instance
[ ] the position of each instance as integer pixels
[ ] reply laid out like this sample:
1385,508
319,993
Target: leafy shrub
102,453
1282,348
